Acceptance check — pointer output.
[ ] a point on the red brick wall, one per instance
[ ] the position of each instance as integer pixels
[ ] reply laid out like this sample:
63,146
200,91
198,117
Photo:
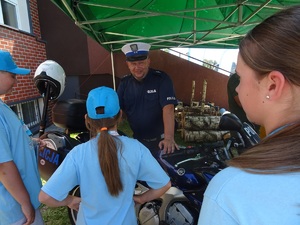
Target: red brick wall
28,51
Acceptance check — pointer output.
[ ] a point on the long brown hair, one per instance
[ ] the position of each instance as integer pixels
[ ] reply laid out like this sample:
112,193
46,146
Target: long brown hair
108,146
274,45
279,153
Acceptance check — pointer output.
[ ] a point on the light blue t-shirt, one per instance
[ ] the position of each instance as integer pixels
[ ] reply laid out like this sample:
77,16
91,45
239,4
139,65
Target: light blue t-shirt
81,167
237,197
17,146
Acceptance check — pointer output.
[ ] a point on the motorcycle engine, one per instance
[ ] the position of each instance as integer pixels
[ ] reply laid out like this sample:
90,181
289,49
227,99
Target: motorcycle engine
148,215
179,213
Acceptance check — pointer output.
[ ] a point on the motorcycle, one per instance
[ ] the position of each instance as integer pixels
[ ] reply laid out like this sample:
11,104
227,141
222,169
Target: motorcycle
49,78
190,170
68,115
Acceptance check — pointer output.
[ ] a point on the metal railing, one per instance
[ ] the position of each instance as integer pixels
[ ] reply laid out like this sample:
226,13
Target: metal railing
210,66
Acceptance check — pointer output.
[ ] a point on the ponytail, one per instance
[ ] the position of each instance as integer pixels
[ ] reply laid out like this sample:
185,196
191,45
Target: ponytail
108,146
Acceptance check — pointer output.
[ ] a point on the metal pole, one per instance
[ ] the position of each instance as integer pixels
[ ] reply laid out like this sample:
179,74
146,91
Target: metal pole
113,69
45,109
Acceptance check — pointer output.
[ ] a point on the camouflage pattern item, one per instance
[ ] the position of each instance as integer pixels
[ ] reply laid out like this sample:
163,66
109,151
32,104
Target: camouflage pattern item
201,123
204,136
203,100
193,92
197,111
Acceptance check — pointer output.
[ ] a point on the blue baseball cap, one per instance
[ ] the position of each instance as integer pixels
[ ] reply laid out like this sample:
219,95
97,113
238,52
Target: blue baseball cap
7,64
102,97
136,51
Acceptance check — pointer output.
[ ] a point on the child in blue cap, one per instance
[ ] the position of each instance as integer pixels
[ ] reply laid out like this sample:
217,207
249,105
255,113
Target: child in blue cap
107,168
20,181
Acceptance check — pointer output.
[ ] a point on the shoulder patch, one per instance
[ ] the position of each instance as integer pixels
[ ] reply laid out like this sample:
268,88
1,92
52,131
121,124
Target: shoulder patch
158,73
126,76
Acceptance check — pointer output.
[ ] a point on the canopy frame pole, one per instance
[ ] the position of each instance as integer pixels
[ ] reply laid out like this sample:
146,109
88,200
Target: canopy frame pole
113,68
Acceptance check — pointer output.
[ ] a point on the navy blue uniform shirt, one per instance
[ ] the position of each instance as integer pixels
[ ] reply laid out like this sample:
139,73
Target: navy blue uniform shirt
143,101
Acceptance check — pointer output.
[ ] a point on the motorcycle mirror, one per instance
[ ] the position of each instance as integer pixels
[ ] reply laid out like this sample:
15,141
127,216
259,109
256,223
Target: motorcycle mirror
229,121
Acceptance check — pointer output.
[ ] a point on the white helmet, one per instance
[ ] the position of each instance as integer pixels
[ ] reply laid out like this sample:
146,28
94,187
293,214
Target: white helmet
50,73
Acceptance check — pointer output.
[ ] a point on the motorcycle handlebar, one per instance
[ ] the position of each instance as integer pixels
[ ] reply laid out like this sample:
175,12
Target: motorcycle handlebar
193,150
182,151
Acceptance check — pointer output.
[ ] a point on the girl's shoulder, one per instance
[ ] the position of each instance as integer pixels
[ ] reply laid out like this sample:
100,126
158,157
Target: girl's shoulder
224,179
129,141
132,145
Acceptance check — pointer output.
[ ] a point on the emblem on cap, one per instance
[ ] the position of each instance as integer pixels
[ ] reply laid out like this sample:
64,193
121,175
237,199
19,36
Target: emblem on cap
134,47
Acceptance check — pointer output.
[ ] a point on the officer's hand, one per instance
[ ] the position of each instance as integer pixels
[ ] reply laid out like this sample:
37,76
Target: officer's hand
168,145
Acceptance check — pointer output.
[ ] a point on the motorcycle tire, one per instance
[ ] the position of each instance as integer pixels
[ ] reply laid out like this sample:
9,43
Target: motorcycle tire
71,212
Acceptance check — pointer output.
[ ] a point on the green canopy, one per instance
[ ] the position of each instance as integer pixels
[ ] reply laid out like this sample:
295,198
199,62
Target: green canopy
169,23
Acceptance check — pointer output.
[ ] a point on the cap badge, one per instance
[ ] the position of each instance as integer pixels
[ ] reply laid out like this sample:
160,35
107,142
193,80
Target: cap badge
134,47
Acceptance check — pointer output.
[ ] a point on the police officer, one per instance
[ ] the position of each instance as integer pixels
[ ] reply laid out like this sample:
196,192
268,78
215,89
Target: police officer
147,98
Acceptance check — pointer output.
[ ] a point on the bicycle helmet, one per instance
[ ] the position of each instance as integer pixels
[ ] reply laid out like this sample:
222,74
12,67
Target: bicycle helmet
50,73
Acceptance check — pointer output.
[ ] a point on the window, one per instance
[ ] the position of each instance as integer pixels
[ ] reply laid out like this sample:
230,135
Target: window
29,112
9,14
15,13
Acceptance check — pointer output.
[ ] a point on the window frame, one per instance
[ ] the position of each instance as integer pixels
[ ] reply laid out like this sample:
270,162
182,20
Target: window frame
22,15
19,112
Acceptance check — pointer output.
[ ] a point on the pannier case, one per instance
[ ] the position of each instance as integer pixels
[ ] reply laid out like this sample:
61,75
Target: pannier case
69,114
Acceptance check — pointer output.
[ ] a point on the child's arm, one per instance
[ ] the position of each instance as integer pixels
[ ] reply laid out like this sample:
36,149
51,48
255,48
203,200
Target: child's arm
151,194
12,181
70,201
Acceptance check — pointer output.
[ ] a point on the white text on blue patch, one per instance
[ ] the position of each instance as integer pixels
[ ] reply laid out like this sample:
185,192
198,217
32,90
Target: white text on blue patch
171,98
151,91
